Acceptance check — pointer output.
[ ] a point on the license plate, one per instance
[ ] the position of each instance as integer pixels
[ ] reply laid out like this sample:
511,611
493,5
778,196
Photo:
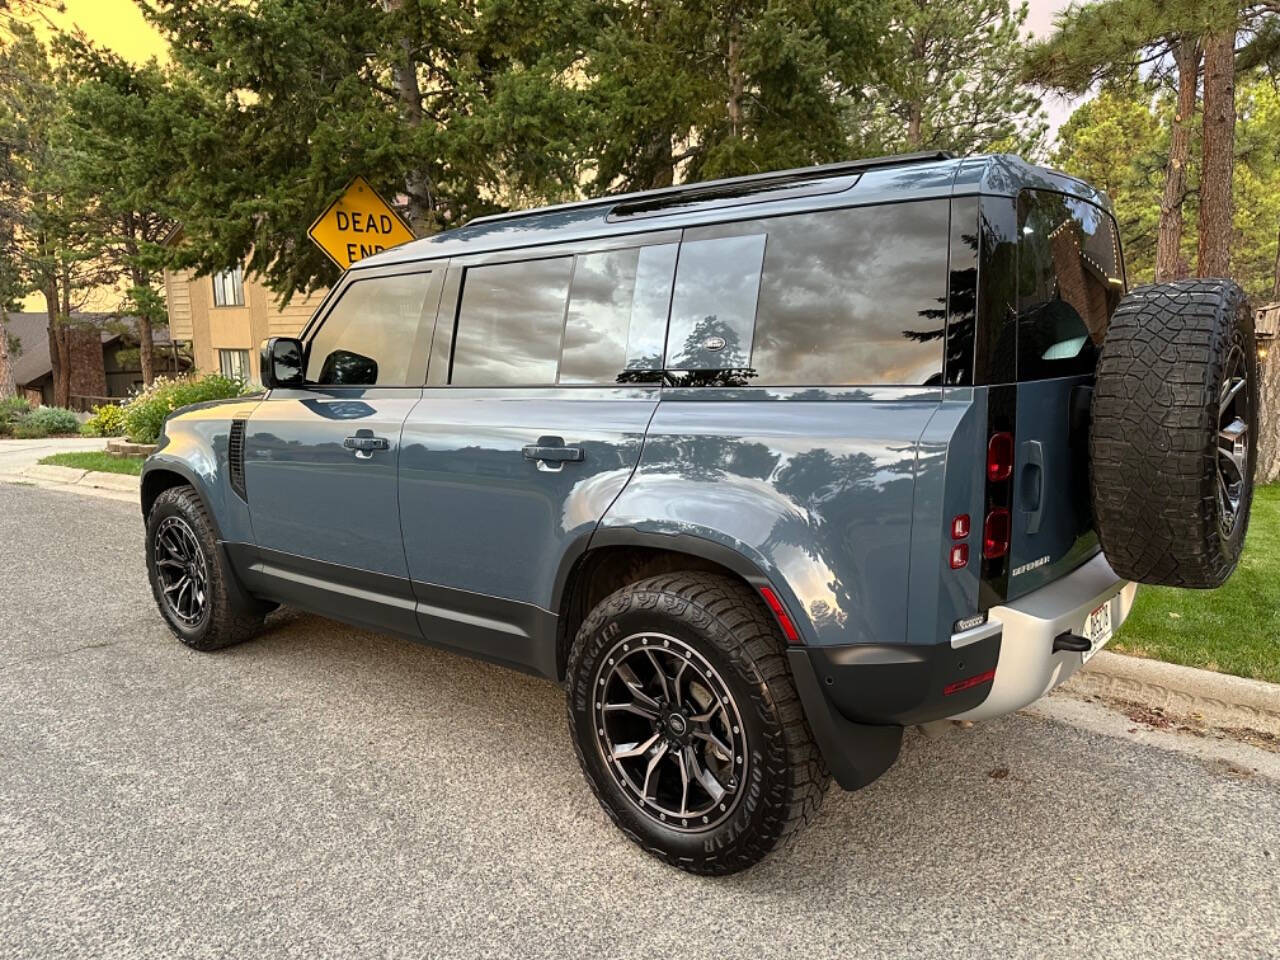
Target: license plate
1097,629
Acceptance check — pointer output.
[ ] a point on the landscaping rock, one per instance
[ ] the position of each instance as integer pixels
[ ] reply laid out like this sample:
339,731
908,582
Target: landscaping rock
120,447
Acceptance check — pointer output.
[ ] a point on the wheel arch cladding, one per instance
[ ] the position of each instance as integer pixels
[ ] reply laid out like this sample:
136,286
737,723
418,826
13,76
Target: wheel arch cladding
618,557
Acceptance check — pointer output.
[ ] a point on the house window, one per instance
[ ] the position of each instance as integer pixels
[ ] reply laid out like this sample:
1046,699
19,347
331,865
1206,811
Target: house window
228,288
234,364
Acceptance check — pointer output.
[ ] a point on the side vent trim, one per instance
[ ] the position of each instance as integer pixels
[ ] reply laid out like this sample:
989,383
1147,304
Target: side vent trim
235,459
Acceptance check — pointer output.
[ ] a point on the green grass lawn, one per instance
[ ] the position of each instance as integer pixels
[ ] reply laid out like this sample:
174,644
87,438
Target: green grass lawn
1234,629
96,460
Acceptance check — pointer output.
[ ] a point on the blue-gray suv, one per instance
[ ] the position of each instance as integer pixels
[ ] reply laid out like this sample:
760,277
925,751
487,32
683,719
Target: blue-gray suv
763,470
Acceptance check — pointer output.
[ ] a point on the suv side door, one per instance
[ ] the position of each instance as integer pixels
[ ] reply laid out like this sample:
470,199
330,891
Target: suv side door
321,460
544,374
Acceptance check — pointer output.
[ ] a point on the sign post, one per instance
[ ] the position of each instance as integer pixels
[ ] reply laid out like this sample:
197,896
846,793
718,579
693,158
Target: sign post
357,225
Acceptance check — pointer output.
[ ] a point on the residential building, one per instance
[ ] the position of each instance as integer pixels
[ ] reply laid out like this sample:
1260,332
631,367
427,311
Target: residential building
225,318
105,364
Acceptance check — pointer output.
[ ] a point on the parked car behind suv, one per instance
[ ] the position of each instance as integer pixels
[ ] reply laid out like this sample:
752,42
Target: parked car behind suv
763,470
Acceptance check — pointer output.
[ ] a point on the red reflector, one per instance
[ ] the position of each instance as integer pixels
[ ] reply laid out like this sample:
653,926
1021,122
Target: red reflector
960,527
780,612
959,556
968,683
995,534
1000,457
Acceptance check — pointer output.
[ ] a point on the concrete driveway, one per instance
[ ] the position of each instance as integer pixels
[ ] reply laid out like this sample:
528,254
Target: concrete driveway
17,455
323,792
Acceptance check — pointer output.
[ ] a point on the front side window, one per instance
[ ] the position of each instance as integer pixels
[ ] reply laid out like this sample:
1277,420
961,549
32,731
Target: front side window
228,288
234,364
371,335
1070,281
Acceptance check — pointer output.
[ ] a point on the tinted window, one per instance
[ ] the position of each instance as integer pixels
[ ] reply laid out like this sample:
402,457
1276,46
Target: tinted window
510,323
713,307
370,335
617,314
854,296
1069,283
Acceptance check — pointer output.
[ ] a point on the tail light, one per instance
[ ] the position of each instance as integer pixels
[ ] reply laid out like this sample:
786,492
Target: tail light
1000,457
959,556
995,534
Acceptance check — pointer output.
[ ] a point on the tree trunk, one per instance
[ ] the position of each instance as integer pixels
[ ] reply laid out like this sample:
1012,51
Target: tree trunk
8,387
736,82
421,212
59,348
1214,254
1275,282
1169,237
1268,470
146,343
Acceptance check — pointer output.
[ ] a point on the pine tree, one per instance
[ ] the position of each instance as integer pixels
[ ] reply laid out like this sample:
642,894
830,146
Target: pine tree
452,107
693,91
119,163
947,83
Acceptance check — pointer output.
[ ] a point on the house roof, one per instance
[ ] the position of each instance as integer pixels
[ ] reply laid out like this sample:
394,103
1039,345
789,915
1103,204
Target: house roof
31,330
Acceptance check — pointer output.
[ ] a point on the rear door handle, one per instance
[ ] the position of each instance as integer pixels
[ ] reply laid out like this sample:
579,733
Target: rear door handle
365,443
1033,484
550,452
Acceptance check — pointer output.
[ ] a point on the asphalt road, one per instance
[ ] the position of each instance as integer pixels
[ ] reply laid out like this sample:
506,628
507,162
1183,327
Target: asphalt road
323,792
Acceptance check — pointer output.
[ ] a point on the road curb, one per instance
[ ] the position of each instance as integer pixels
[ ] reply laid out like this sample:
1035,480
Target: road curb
1218,699
72,477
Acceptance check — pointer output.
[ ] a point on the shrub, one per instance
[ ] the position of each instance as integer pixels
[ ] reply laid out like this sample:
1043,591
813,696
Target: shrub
144,414
106,421
46,422
14,408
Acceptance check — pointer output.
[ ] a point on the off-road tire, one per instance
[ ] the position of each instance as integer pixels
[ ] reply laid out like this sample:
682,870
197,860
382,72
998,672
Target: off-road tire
1154,441
222,624
725,623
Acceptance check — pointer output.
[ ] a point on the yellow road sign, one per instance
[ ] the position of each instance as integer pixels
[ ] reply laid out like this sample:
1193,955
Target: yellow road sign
357,225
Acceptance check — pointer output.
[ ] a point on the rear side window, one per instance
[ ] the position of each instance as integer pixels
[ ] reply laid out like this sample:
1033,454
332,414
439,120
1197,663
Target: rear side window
373,335
594,318
509,323
854,297
841,297
1070,281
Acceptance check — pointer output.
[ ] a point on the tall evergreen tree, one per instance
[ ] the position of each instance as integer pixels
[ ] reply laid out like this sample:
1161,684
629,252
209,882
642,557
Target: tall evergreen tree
452,107
948,84
692,91
120,162
1163,42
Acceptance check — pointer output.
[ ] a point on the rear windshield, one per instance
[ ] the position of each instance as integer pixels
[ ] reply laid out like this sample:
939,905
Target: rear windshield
1070,279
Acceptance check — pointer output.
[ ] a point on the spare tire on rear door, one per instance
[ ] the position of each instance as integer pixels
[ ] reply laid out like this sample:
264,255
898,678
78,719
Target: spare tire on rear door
1173,442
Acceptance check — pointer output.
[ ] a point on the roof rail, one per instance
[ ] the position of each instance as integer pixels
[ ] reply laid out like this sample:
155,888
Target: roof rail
653,199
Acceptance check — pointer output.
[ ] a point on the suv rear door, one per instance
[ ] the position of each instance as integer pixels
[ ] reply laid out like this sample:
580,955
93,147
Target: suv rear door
1070,279
544,374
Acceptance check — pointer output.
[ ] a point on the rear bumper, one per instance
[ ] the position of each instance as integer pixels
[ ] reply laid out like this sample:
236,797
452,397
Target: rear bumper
857,698
1027,667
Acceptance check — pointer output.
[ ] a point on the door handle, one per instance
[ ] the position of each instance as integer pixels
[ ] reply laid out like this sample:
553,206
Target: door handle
550,452
1033,484
364,444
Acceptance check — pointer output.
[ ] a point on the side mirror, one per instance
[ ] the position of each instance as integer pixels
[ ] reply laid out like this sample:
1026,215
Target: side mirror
281,363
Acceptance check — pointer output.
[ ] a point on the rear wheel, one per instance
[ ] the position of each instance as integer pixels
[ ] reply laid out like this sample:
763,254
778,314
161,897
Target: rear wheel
688,725
1173,444
187,576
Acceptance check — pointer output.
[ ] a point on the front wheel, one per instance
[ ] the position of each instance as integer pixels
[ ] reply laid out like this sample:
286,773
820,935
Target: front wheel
688,725
187,576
